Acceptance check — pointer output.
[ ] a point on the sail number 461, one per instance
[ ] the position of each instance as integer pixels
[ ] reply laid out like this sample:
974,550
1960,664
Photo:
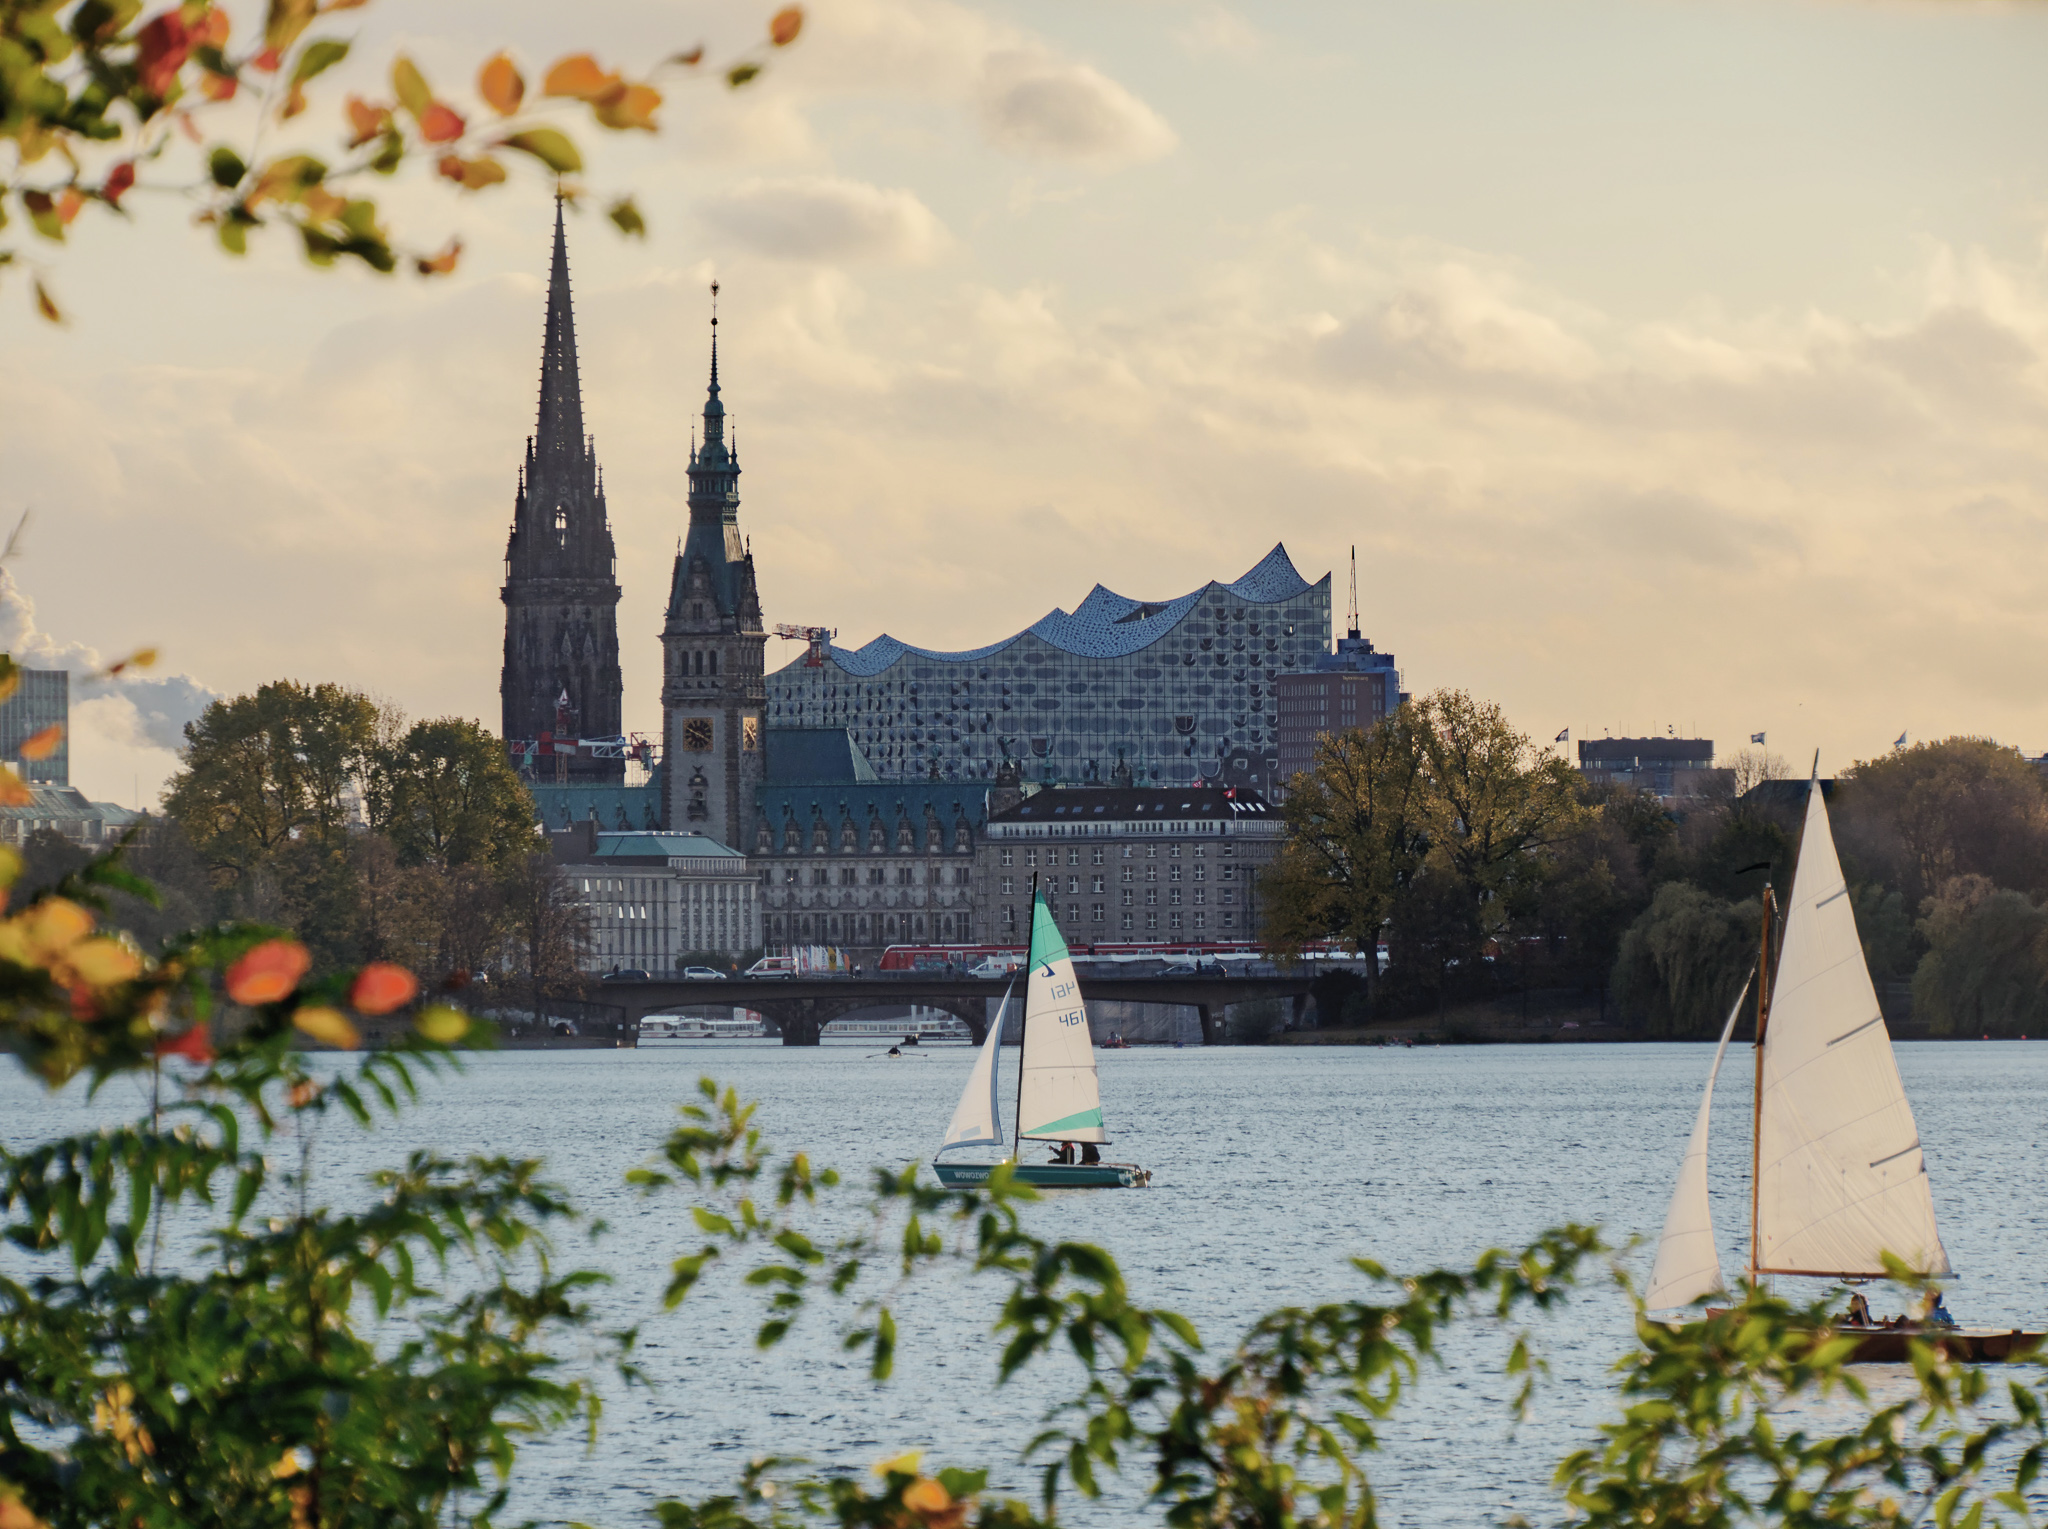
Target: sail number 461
1073,1017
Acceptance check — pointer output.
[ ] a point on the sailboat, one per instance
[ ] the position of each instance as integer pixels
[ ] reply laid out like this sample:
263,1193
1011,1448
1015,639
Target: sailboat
1837,1176
1057,1095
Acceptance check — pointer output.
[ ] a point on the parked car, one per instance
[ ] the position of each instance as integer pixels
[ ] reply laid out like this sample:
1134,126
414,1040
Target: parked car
773,966
703,974
996,966
630,974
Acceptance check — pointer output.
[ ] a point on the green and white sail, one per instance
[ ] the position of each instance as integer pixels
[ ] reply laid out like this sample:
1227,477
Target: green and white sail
1058,1099
978,1117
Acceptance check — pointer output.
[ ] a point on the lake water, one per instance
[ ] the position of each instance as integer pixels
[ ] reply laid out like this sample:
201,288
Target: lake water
1272,1166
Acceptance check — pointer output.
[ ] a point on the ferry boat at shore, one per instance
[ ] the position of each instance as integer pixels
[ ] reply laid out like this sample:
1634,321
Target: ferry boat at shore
922,1029
692,1027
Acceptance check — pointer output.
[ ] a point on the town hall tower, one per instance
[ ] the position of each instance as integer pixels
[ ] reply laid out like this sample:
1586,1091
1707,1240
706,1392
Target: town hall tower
714,649
561,594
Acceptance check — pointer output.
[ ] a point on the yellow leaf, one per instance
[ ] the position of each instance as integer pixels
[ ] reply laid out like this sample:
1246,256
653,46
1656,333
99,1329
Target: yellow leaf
442,264
787,22
441,1024
410,86
14,1516
927,1496
45,305
501,85
632,107
580,76
328,1026
904,1464
41,745
10,866
103,962
550,147
14,791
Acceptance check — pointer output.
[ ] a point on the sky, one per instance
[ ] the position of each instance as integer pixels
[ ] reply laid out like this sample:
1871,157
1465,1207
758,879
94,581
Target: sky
1671,366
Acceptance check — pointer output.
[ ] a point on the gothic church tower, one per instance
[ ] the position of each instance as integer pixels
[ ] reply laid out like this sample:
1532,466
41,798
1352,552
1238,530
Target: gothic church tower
714,689
561,594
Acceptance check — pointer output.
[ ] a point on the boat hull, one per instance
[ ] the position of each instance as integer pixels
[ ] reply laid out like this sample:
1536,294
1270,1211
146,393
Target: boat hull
1049,1175
1964,1345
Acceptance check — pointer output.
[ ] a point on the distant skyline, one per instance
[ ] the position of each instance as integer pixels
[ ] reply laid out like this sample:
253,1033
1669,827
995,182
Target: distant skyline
1669,364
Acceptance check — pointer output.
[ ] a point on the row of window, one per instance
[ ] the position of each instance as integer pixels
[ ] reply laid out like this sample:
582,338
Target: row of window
1099,853
875,876
1130,875
1126,922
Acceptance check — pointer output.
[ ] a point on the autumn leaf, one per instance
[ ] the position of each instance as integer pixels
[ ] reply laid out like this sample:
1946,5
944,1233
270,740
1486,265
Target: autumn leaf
626,215
926,1497
783,29
43,744
42,211
328,1026
580,76
287,19
501,85
550,147
442,264
632,107
365,121
689,60
269,972
221,87
103,962
472,174
740,74
441,124
410,86
14,791
320,55
442,1025
118,180
141,658
194,1045
68,205
381,987
162,47
10,671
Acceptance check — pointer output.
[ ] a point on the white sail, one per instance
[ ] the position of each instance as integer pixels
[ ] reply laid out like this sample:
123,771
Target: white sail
978,1117
1058,1099
1688,1264
1841,1180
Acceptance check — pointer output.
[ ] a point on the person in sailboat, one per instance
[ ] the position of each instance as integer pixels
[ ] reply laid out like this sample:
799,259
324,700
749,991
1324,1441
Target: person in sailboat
1090,1153
1937,1313
1859,1311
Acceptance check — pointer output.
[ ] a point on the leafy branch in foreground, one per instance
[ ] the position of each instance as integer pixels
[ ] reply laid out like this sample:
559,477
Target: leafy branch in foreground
100,102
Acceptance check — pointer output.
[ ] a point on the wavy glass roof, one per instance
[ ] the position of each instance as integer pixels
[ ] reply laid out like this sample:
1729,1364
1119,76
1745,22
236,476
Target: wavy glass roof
1105,625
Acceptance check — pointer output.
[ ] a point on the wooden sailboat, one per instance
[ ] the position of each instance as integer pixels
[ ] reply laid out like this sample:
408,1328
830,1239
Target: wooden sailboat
1058,1099
1837,1176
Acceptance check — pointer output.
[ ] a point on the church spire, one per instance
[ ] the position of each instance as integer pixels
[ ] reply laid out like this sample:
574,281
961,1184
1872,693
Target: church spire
714,408
559,432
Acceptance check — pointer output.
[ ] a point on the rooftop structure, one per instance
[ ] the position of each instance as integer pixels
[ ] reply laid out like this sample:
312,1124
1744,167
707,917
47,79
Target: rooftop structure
1163,691
65,810
1668,768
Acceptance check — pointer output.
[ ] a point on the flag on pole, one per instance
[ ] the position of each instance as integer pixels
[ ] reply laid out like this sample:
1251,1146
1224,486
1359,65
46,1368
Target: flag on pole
1756,737
1899,742
1562,735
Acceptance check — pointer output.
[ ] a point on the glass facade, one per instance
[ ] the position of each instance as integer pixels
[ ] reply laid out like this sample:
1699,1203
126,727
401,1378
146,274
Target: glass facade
43,701
1165,691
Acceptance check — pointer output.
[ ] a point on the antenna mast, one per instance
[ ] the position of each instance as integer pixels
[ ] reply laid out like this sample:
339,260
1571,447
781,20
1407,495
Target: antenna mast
1354,633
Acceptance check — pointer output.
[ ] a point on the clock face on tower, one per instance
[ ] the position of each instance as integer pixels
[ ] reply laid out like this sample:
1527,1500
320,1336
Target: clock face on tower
697,733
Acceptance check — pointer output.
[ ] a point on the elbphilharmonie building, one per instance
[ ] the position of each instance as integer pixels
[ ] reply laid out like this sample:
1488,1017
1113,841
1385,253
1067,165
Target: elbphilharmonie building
1119,691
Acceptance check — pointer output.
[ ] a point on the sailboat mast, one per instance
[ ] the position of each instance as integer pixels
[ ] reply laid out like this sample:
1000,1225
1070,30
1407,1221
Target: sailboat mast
1023,1035
1756,1124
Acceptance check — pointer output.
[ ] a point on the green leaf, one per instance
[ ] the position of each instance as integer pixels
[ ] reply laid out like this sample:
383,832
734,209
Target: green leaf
410,86
550,147
226,168
740,74
320,55
627,217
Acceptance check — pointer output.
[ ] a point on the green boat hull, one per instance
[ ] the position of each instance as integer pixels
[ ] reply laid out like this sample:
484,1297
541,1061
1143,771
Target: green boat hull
1049,1175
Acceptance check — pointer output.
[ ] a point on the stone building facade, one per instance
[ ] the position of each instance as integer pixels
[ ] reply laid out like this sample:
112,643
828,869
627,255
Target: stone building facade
713,650
852,860
561,670
1126,865
654,899
1168,692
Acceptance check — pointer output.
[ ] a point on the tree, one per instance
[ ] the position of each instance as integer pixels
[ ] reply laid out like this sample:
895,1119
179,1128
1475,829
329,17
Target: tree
549,927
1499,805
1357,831
1918,817
452,797
1681,964
100,101
1986,968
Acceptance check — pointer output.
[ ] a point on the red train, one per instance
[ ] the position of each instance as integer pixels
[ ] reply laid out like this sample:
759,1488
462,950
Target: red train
924,958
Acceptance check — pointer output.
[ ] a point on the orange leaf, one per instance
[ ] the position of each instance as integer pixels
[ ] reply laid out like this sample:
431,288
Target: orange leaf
474,174
328,1026
381,987
268,60
218,87
48,309
365,121
785,24
438,124
927,1496
689,60
579,76
43,744
68,204
194,1045
302,1093
633,107
269,972
161,50
14,790
118,180
501,85
212,29
443,263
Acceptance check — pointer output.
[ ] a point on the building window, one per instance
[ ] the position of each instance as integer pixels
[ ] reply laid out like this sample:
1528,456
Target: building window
1129,850
1174,897
1009,918
1031,859
1175,852
1095,855
1151,897
1095,914
1151,873
1223,873
750,733
1227,897
1201,871
1127,920
1199,851
1009,886
1173,874
1074,914
1126,899
1095,883
1201,896
1151,921
1073,857
1173,921
1151,852
1009,858
1229,920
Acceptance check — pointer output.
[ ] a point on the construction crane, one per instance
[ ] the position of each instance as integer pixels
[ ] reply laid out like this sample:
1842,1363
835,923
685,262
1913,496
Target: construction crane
816,636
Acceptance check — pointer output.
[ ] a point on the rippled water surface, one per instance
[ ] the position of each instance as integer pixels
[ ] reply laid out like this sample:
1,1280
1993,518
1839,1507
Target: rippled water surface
1272,1166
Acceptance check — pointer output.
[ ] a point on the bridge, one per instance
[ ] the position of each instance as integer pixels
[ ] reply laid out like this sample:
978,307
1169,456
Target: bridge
801,1007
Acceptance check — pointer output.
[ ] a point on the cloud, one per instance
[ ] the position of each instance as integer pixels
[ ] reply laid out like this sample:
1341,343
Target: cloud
1039,106
828,220
142,711
1217,31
